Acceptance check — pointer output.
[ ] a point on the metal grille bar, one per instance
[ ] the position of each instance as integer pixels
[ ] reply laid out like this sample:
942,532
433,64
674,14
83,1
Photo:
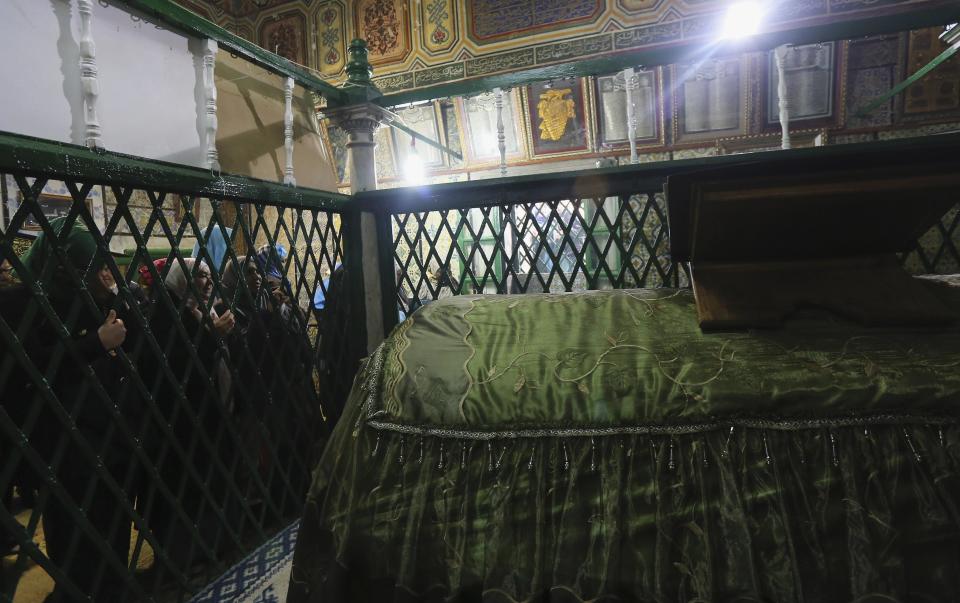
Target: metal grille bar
488,238
143,472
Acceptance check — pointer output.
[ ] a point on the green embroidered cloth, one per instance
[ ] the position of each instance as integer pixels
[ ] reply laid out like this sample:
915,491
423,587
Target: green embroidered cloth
616,359
599,447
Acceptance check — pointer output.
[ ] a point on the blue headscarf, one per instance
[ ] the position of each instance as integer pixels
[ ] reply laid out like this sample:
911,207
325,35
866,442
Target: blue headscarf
270,260
217,240
320,295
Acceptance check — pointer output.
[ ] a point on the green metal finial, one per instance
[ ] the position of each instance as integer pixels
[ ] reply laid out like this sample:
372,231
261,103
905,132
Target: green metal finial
359,69
358,86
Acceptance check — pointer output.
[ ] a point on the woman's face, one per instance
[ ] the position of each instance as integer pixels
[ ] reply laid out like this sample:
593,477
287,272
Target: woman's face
6,273
203,283
103,285
252,277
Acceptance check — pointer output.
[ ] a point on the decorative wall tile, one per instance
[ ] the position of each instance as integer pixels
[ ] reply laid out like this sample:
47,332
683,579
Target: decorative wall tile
940,89
871,71
852,138
331,38
383,155
919,131
438,25
285,35
385,25
864,86
695,153
653,157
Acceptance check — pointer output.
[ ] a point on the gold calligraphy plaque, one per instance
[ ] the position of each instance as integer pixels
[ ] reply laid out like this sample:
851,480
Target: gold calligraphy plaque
554,111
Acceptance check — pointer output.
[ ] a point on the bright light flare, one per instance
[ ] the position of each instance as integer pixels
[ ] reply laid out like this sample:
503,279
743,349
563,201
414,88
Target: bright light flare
742,20
413,169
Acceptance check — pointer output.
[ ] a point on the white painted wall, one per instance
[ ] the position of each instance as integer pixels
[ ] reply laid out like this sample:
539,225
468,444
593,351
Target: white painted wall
150,100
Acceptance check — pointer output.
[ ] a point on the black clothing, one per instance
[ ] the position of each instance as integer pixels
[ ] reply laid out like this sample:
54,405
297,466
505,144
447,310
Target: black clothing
192,402
76,365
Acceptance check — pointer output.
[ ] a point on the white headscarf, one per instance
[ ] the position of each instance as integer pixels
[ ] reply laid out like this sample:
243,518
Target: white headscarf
178,281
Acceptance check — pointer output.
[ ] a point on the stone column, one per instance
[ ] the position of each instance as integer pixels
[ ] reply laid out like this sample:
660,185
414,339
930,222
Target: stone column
360,121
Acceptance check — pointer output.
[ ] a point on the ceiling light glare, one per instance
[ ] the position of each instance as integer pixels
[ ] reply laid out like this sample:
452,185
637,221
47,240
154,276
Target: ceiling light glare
413,169
742,20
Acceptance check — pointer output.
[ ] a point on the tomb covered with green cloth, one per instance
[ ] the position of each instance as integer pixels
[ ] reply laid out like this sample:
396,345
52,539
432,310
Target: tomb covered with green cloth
599,446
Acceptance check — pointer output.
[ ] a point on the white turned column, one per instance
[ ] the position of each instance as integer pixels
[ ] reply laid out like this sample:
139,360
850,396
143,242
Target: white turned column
360,122
210,157
630,86
501,136
783,105
88,76
288,130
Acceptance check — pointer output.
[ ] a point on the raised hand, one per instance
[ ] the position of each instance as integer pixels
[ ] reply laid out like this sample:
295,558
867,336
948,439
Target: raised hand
223,324
112,333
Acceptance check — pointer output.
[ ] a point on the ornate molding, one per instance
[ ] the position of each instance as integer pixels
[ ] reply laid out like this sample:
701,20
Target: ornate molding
360,122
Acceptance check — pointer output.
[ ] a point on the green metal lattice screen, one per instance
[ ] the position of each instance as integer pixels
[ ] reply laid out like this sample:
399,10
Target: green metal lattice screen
553,233
142,472
543,240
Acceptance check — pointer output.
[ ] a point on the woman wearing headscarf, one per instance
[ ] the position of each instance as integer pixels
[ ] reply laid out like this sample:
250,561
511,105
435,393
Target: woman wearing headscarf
75,357
216,240
272,358
192,393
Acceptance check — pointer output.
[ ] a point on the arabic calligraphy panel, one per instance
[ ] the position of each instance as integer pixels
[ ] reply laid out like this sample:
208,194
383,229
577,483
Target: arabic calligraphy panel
612,108
490,20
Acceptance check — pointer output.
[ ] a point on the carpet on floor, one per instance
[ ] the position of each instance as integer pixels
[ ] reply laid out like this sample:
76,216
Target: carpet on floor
262,577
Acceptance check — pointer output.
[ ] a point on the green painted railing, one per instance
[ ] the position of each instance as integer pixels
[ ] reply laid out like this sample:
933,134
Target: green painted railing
591,229
205,471
193,442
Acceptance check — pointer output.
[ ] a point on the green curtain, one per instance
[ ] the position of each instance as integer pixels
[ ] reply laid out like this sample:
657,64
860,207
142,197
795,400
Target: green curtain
694,492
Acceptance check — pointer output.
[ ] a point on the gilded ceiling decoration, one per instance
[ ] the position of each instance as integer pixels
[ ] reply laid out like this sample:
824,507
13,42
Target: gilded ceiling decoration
385,25
418,43
249,8
285,35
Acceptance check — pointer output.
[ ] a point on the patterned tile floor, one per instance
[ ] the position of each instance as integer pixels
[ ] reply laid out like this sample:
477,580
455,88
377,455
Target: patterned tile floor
262,577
